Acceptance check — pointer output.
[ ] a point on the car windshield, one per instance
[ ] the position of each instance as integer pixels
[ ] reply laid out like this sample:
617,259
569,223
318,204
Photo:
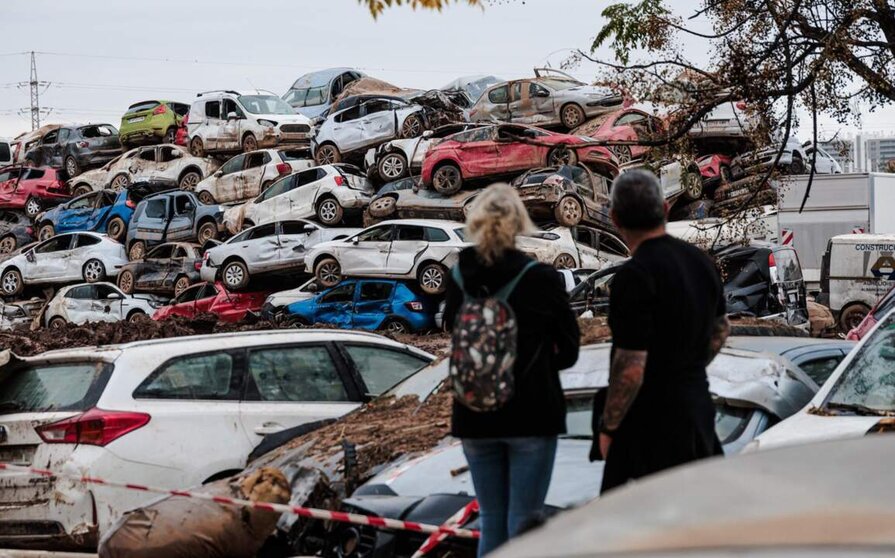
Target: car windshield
70,386
559,84
461,234
867,385
265,104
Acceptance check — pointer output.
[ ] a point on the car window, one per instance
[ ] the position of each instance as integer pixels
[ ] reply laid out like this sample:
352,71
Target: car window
516,91
204,377
179,253
820,369
213,109
304,373
498,95
82,240
208,290
788,268
585,236
85,202
229,106
81,292
730,422
535,90
262,231
55,244
257,159
168,153
348,115
183,204
375,291
869,379
180,109
155,209
264,104
141,106
611,244
188,295
461,233
72,386
381,233
296,227
883,306
436,235
101,131
377,105
51,137
105,291
340,293
64,133
34,174
630,118
147,154
314,96
161,252
277,188
381,369
308,176
410,232
296,97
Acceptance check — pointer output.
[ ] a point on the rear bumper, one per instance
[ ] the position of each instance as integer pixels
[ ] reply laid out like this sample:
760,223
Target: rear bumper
208,273
97,158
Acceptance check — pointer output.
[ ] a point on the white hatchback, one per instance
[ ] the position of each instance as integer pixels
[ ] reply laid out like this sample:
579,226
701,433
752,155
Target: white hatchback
98,302
248,174
569,248
171,413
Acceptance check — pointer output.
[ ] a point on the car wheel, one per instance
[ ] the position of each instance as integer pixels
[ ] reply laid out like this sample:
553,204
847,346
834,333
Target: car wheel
568,212
235,275
412,127
170,136
46,232
137,316
126,281
11,282
197,148
206,198
852,316
330,212
692,184
447,179
564,261
561,156
116,229
207,231
189,180
433,278
392,167
81,189
32,207
572,116
249,143
328,272
94,271
7,244
383,207
57,322
395,326
137,251
797,166
120,182
71,167
181,285
622,153
327,154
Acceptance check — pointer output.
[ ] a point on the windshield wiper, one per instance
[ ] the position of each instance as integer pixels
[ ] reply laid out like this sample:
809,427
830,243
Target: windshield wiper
859,409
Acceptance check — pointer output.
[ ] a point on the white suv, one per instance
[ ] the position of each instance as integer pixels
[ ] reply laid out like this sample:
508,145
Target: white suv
229,121
171,413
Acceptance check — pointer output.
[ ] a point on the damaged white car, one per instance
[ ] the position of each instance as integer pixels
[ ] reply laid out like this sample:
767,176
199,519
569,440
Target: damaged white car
166,163
272,247
248,174
405,249
87,256
98,302
19,313
570,248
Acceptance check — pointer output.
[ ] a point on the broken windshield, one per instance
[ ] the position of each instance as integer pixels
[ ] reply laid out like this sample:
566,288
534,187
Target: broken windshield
868,382
265,104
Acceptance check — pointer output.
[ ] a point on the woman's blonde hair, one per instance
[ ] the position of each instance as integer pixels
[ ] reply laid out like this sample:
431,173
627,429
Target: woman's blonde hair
496,217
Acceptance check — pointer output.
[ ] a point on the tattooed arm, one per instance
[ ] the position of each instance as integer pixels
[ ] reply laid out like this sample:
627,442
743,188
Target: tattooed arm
720,332
625,379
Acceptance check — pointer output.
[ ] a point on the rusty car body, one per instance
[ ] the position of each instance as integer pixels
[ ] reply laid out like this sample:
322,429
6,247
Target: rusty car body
168,268
403,199
75,148
567,194
246,175
172,216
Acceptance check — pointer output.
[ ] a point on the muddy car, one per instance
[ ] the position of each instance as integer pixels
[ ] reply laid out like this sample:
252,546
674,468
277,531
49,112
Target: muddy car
105,211
170,217
23,143
796,159
15,231
169,163
20,313
154,121
97,302
573,247
312,93
551,98
278,247
629,124
213,298
246,175
166,269
569,195
403,199
31,189
76,148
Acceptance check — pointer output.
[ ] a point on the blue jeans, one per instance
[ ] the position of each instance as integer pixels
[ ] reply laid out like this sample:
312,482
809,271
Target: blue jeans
511,477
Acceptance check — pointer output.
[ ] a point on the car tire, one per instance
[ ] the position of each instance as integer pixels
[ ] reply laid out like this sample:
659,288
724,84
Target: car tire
330,212
93,271
11,282
81,189
447,179
691,183
235,275
206,198
136,251
46,232
328,272
393,166
137,316
7,244
561,156
170,135
327,154
383,207
568,212
412,127
33,207
797,166
126,281
851,316
207,231
564,261
72,169
432,278
572,116
622,153
116,229
249,143
120,182
181,284
395,326
189,180
57,322
197,147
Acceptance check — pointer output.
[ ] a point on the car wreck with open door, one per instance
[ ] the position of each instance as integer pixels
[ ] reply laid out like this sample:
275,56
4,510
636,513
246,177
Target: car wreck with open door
97,302
172,216
246,175
165,269
107,211
213,298
568,194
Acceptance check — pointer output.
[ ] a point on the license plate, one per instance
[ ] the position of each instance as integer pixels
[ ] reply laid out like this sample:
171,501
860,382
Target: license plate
137,119
18,455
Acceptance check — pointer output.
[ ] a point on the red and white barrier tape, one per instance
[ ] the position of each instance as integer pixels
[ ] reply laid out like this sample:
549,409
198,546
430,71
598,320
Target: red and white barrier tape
459,518
314,513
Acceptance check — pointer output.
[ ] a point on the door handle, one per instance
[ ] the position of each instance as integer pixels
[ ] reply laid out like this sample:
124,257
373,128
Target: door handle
269,428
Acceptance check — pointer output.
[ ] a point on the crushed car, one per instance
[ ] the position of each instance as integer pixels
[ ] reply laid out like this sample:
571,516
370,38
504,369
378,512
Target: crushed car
106,211
76,148
628,124
31,189
572,247
153,121
97,302
15,231
172,216
567,194
165,269
246,175
23,143
19,313
403,199
213,298
313,93
795,159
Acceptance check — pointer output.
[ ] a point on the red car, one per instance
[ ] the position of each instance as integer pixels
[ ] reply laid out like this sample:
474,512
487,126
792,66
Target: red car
33,189
182,137
882,308
504,149
214,298
715,169
627,124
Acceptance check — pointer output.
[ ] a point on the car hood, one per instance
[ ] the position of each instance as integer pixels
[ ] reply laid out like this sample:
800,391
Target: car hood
284,118
285,298
93,176
805,427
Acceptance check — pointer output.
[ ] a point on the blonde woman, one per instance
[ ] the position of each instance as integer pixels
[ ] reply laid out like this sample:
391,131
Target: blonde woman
511,451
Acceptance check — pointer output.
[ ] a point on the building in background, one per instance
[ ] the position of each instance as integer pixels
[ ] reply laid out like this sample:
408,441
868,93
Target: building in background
843,151
879,152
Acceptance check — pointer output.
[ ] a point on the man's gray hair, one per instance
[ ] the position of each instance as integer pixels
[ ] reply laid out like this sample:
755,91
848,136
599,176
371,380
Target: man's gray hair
637,200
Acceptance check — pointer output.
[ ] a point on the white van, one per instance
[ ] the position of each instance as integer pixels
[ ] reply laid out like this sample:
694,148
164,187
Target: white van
856,271
230,121
5,152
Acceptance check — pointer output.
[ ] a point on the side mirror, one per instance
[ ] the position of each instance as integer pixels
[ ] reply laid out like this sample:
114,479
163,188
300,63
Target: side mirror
29,255
541,93
176,154
355,241
232,116
115,296
187,207
428,133
219,174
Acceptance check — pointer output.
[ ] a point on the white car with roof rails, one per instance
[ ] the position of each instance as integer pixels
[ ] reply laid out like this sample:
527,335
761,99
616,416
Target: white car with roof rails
98,302
329,194
156,413
420,249
233,121
81,256
569,248
248,174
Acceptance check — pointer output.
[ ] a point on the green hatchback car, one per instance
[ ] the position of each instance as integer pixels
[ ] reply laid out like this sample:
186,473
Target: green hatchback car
151,122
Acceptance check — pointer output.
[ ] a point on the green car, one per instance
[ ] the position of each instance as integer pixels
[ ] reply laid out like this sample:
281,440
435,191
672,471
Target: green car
151,122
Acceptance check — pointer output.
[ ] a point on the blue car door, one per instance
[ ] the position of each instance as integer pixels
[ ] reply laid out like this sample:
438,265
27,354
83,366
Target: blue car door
78,215
101,208
335,305
373,303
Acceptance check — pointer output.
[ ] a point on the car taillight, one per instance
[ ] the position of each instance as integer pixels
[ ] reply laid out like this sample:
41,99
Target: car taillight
283,168
771,261
414,306
339,180
741,105
96,427
130,203
29,231
161,109
198,263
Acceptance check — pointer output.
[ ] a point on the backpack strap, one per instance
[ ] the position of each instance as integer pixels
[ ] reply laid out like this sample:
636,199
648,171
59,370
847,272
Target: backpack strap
504,293
458,279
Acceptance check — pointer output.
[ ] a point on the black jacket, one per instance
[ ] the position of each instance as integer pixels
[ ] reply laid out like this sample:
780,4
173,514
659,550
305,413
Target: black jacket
548,342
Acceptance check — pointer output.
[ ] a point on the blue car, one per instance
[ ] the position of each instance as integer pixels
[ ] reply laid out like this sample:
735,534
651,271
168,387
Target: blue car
394,306
103,211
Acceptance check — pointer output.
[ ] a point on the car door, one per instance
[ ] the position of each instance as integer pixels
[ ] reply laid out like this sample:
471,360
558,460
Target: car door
152,270
293,241
8,179
78,215
291,385
53,152
232,125
78,303
368,251
142,165
496,106
298,202
335,306
107,304
44,151
612,248
543,105
478,151
373,303
252,174
261,249
184,304
408,244
82,246
229,181
514,152
378,121
213,124
152,222
183,216
50,259
346,129
587,241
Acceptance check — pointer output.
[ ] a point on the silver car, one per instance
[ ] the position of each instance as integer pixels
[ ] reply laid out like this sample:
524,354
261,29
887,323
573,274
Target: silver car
248,174
271,247
551,98
402,199
796,159
313,93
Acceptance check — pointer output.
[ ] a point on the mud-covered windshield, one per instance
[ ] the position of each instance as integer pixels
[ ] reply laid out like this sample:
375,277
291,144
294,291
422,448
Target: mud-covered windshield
70,386
265,104
867,385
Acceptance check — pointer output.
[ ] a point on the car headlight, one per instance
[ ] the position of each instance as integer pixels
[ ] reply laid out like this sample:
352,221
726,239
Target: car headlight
268,123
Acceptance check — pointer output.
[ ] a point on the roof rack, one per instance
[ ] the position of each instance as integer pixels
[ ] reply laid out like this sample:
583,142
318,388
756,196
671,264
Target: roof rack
230,91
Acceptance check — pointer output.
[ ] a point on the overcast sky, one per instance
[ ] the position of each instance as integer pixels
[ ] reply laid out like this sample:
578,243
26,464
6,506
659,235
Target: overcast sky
102,55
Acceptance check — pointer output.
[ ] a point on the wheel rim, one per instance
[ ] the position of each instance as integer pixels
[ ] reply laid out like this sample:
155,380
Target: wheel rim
196,147
189,181
120,182
447,177
250,144
328,211
382,206
234,275
623,154
432,278
33,207
137,251
392,167
93,271
126,282
570,210
205,234
10,283
181,285
57,323
330,272
7,245
115,229
206,198
561,157
395,327
71,167
572,116
412,127
693,186
45,233
564,261
327,155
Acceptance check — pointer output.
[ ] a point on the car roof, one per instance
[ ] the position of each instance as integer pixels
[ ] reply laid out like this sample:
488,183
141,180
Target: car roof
781,345
423,223
319,78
